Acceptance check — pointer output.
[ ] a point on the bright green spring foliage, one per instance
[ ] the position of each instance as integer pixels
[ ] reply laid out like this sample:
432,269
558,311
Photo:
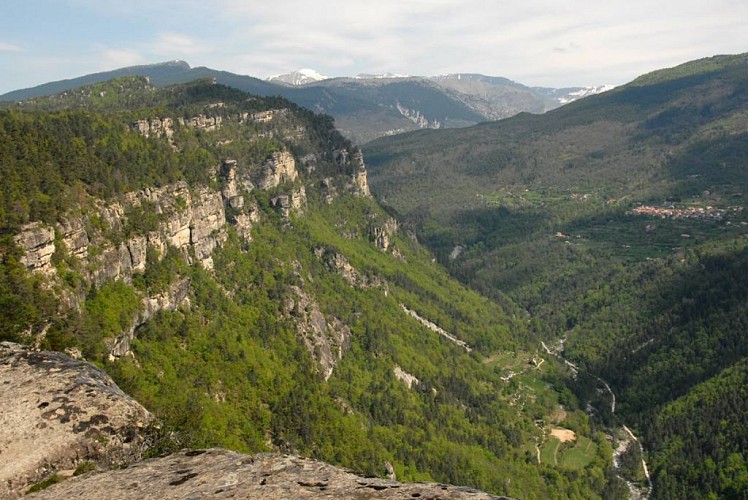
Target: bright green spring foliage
231,366
618,222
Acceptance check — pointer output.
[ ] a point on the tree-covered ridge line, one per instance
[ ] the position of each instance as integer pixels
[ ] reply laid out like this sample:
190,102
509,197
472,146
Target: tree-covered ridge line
228,364
48,157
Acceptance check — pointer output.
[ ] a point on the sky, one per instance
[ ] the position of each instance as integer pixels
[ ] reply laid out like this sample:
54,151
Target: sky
551,43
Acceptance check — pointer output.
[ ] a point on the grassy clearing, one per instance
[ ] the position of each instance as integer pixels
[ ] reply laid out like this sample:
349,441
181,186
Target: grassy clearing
572,456
549,452
581,454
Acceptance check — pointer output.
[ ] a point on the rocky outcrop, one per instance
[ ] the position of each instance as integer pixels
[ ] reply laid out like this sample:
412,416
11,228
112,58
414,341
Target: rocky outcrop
325,340
338,263
405,377
188,220
167,300
435,328
264,116
38,244
234,185
164,127
382,235
58,412
217,473
290,203
279,168
416,117
155,127
359,184
352,160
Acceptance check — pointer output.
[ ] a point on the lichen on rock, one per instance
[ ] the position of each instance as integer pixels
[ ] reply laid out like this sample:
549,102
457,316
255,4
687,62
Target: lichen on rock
58,412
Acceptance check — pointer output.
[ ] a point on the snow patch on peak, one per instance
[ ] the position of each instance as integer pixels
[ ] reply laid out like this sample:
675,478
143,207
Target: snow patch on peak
313,74
584,92
299,77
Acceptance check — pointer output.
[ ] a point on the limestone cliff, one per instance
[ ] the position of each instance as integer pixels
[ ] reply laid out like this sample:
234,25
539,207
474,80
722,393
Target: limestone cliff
382,236
58,412
110,241
98,241
278,169
191,220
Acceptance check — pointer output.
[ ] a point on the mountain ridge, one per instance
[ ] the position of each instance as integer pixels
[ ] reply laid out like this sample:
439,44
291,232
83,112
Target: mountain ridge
365,108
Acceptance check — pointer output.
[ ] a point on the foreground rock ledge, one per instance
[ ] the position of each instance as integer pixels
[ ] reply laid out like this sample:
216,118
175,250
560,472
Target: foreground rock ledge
56,412
218,473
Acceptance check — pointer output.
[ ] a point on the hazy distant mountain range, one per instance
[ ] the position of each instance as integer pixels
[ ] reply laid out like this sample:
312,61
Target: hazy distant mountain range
366,106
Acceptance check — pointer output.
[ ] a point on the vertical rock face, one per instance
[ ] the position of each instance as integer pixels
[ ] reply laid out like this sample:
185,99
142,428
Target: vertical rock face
164,127
38,244
361,184
278,169
232,185
382,235
207,225
188,219
74,237
58,412
193,221
155,127
359,180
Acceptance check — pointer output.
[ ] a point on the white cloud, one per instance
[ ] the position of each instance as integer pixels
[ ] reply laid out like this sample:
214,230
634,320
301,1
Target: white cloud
9,47
537,42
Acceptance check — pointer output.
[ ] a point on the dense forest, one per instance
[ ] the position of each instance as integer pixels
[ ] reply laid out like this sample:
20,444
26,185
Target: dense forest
618,223
314,325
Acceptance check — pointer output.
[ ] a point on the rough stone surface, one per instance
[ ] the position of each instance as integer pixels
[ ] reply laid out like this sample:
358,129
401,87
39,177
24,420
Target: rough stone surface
38,243
278,169
325,341
287,204
217,473
407,378
360,185
58,412
382,235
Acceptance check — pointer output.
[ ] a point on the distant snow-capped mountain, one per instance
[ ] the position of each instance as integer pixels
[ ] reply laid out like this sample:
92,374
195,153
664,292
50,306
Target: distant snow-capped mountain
366,106
300,77
584,92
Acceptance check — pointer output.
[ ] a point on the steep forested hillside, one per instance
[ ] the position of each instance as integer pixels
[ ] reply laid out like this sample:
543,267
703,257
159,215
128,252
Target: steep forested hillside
220,255
618,222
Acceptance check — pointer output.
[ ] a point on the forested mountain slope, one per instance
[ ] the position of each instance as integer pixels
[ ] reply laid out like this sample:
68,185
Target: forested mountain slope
618,222
220,256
